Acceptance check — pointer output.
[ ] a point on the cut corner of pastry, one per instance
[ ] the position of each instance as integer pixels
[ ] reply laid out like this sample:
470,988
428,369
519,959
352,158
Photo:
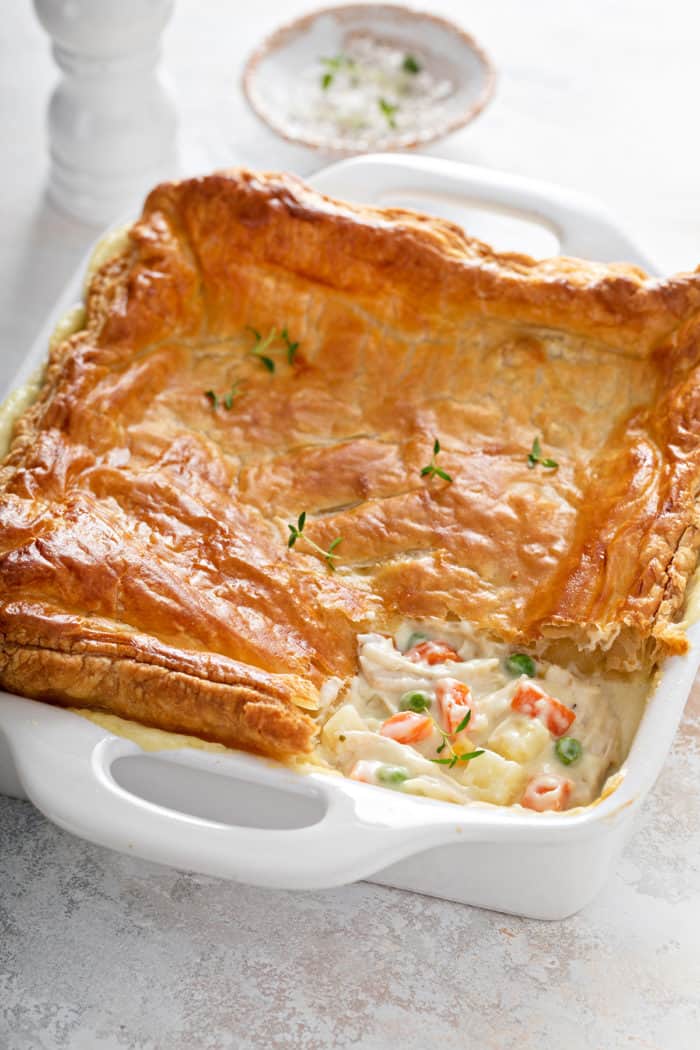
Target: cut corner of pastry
344,486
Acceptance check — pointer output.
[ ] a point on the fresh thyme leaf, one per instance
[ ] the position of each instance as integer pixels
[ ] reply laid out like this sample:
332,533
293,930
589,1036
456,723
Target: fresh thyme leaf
535,456
329,558
452,762
470,755
228,400
389,111
411,64
296,534
262,344
329,555
326,81
431,469
453,756
465,722
338,61
296,530
267,344
291,347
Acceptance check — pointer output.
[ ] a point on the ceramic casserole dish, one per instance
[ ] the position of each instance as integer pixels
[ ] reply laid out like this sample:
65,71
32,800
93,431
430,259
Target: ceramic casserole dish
247,818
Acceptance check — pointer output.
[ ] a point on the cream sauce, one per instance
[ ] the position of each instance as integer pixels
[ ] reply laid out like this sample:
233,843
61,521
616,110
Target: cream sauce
148,738
16,402
517,747
108,247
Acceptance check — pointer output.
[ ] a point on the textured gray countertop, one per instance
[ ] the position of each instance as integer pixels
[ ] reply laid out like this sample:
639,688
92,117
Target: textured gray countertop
99,951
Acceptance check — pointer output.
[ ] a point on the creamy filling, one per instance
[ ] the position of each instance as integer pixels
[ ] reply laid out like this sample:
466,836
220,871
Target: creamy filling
443,712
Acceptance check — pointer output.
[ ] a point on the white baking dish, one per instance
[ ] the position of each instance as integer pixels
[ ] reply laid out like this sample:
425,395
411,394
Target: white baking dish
245,818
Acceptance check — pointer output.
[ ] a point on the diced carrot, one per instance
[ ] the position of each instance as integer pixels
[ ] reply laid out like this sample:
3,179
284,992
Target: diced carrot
431,653
454,703
546,791
407,727
529,699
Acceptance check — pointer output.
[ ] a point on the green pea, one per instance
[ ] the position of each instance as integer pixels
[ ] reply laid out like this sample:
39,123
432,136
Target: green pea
418,702
521,663
568,750
392,774
415,639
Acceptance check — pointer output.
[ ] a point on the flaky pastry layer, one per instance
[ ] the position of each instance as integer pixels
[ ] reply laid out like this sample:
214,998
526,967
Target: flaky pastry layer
144,566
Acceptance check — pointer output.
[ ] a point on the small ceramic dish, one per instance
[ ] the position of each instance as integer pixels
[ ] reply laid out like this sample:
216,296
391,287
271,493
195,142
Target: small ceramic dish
364,77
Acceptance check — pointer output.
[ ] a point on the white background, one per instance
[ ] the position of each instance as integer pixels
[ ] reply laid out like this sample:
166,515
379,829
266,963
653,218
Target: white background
99,951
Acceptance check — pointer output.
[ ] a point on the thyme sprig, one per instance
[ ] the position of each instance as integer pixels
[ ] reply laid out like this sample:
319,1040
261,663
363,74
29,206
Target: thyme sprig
333,66
227,399
262,343
432,470
291,347
535,457
453,758
265,345
296,532
389,110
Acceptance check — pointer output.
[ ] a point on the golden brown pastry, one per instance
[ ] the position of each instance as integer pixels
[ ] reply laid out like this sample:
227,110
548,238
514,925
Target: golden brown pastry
146,498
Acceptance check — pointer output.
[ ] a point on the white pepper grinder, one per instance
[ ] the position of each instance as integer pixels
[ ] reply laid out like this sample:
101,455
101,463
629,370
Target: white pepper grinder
112,121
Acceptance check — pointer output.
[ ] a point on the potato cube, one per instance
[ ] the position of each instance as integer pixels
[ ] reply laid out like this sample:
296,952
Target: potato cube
519,738
492,778
345,720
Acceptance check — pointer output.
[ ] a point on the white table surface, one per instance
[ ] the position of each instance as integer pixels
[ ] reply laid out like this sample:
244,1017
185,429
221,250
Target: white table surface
99,951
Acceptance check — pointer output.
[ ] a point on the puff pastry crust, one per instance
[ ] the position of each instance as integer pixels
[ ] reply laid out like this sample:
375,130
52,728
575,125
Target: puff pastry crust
144,566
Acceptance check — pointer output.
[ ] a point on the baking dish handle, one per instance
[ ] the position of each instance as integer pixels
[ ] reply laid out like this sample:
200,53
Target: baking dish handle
66,771
581,225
